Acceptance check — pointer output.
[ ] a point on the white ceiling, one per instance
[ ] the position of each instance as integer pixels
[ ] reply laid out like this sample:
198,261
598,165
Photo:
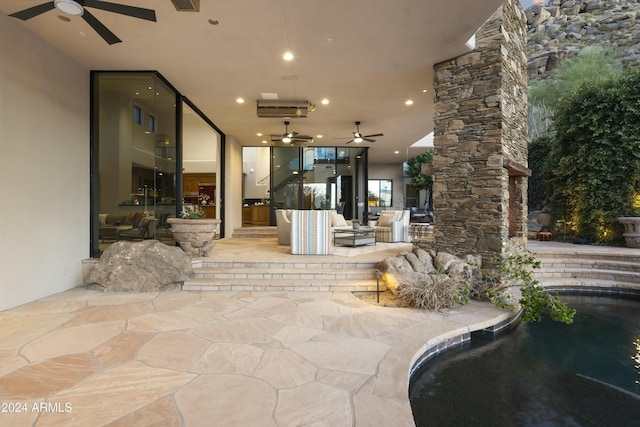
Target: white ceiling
366,56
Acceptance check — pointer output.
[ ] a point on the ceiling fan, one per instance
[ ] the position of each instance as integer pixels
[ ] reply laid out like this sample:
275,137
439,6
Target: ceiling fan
79,8
290,137
359,137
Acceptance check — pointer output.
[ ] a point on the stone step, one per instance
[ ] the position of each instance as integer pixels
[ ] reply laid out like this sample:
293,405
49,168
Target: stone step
294,264
580,284
589,267
315,285
284,273
255,232
598,264
632,258
589,273
307,274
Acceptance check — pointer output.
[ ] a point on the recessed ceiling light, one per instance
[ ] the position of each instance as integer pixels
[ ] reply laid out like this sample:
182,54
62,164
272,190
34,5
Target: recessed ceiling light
396,152
319,136
325,101
264,141
259,134
288,56
408,102
240,100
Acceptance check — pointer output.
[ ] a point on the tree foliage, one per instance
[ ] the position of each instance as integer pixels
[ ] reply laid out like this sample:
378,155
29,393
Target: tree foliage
539,152
596,155
414,171
516,270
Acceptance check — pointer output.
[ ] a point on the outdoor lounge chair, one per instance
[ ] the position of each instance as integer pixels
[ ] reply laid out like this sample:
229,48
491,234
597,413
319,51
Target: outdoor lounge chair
138,233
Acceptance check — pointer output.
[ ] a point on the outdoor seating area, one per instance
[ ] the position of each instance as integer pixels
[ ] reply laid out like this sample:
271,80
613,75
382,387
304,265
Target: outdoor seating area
129,226
313,231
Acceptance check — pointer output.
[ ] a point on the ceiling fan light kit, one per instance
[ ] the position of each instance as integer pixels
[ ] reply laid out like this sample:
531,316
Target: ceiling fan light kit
358,137
69,7
291,137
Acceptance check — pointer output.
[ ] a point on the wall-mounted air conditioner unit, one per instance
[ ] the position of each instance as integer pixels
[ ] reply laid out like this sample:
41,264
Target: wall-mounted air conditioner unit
283,109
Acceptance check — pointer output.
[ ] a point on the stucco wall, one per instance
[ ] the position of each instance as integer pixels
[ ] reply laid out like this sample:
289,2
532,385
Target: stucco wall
44,165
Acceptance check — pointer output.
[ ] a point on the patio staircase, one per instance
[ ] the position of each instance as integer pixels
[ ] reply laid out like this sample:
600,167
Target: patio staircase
255,232
303,275
607,270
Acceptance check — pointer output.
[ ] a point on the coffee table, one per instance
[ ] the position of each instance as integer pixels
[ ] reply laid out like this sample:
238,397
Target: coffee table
354,236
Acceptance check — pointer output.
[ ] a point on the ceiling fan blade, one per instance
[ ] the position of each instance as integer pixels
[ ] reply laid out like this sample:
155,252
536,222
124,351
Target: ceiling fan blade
99,27
373,135
368,140
33,11
349,142
122,9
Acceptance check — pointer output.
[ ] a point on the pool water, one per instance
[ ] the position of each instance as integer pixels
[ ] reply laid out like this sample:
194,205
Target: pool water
540,374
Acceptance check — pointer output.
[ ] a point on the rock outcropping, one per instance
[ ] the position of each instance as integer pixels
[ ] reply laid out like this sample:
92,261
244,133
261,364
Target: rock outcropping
146,266
563,28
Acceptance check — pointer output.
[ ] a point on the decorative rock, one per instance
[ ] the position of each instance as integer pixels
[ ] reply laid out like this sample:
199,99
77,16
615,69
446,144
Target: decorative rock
146,266
418,267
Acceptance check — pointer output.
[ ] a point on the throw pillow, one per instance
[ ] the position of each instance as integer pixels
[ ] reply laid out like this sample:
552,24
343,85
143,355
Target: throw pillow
128,220
337,220
386,218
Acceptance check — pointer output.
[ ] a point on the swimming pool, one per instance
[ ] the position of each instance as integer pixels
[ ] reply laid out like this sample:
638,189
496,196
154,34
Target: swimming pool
540,374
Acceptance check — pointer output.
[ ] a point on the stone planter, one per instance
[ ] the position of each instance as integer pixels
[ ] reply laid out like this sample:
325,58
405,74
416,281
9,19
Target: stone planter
195,236
631,230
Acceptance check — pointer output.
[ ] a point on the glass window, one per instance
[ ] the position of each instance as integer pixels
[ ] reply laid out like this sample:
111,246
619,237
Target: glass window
135,169
152,123
305,178
138,115
380,192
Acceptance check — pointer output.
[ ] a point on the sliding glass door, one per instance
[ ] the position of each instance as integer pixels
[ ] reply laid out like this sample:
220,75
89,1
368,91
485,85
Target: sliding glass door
307,178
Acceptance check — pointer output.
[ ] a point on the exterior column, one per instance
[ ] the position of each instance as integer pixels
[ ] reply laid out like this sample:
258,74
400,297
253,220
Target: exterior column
480,141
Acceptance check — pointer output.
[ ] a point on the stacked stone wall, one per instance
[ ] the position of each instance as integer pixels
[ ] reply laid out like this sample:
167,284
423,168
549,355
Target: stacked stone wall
479,121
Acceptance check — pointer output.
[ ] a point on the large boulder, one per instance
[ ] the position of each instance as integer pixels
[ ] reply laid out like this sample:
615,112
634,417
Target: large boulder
145,266
424,269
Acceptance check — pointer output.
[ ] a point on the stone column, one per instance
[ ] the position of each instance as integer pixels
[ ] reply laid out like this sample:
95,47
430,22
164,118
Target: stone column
480,141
